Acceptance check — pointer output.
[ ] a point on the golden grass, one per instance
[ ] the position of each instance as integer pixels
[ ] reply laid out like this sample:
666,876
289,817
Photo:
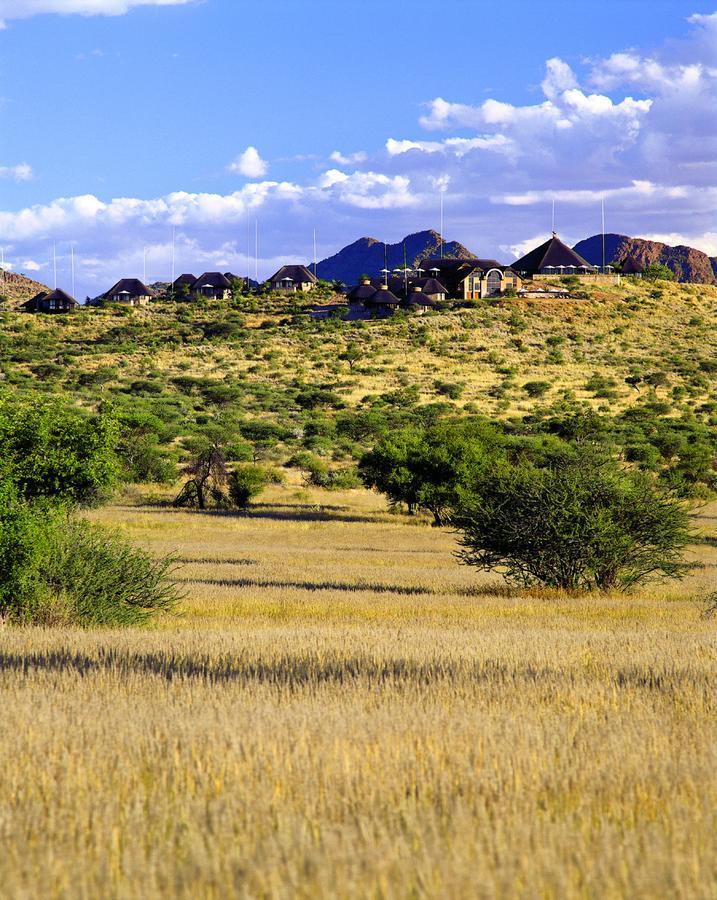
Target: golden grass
340,710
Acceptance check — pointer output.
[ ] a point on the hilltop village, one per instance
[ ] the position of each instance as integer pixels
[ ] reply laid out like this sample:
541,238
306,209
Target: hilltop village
548,271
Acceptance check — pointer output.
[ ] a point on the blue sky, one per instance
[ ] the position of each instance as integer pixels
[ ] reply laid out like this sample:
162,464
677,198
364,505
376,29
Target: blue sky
117,128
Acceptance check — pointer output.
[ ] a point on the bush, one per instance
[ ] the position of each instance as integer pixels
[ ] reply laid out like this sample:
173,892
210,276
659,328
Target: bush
96,577
423,468
536,388
245,483
658,272
23,548
580,523
54,451
60,571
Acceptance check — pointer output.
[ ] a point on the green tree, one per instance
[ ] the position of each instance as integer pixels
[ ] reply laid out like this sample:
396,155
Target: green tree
55,451
580,523
658,272
423,468
245,483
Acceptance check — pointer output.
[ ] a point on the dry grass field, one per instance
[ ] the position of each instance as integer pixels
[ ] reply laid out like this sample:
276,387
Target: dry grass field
341,710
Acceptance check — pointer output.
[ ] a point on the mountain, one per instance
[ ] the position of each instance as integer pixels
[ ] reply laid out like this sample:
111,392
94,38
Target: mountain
16,289
687,263
366,256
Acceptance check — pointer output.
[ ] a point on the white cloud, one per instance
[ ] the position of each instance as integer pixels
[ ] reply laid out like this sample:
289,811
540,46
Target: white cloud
457,146
25,9
368,190
348,159
29,265
22,172
250,164
638,189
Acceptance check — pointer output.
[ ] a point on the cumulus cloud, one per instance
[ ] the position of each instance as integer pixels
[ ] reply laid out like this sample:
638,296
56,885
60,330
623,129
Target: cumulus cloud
250,164
22,172
25,9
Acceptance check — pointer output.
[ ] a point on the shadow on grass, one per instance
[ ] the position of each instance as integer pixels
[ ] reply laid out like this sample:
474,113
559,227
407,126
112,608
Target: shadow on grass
384,550
348,587
217,560
284,512
297,671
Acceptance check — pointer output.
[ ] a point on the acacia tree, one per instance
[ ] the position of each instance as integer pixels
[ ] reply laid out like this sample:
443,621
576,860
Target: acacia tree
207,479
580,523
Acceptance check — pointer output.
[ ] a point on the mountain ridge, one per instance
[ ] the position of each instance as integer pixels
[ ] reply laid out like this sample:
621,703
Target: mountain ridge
366,255
687,263
15,289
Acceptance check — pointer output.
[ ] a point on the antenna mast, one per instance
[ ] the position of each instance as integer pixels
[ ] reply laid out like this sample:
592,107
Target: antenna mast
314,253
553,227
441,241
602,211
72,263
54,261
174,236
256,250
405,271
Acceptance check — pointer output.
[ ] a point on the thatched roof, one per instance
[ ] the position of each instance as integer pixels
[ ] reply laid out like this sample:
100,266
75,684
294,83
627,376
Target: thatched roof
361,293
419,298
552,254
186,279
384,297
212,280
132,287
297,274
429,285
45,298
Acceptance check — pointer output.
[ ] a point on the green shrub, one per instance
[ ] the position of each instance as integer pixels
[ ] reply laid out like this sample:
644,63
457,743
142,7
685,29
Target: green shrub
93,576
23,549
245,483
580,523
55,451
449,389
536,388
59,571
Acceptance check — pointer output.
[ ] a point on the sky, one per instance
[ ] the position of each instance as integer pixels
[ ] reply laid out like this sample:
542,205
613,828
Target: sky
240,128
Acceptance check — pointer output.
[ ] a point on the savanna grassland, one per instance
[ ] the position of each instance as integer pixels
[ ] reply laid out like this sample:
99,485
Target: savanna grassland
261,353
337,707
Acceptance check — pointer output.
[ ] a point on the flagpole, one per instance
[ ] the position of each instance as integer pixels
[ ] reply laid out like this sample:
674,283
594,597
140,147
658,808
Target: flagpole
602,211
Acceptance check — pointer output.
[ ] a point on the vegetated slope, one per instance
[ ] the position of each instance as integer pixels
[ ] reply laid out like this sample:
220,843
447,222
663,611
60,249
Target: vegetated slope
366,255
261,360
16,289
687,263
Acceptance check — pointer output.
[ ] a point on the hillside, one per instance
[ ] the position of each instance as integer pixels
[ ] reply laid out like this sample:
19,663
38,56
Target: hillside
16,289
687,263
366,255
